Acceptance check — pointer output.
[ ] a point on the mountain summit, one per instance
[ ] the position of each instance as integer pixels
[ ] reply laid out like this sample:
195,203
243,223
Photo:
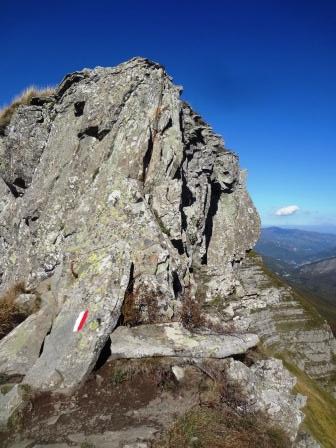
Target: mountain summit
124,227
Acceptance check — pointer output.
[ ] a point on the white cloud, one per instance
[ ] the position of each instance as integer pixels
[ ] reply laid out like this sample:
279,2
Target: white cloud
286,211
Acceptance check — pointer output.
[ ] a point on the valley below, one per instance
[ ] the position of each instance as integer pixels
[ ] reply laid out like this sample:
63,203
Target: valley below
305,260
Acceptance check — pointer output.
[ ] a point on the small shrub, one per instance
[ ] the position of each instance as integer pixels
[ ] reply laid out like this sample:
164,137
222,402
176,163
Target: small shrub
118,377
191,313
10,314
130,311
24,98
140,306
87,445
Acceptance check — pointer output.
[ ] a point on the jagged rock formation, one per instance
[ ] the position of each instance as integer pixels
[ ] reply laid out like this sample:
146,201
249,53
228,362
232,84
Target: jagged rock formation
268,385
118,199
118,182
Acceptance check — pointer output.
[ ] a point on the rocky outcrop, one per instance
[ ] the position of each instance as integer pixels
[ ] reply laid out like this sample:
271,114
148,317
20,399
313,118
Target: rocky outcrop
117,185
20,349
286,324
174,340
120,204
268,387
11,403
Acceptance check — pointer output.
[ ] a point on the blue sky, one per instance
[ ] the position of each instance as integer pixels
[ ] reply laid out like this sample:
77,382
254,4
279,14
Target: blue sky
262,73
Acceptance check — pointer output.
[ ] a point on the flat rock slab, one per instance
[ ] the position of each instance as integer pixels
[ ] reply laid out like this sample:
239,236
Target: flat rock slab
23,444
52,445
172,339
135,437
11,403
20,349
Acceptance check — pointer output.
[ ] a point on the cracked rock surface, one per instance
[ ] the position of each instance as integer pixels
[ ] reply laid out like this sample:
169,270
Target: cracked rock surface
115,182
118,201
172,339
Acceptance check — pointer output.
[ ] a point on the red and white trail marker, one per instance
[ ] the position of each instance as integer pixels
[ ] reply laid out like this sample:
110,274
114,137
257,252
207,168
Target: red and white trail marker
80,321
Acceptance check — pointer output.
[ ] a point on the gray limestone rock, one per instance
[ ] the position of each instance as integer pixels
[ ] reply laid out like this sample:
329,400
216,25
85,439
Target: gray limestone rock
116,186
28,302
20,349
305,440
268,386
5,195
284,322
118,200
172,339
51,445
10,404
131,437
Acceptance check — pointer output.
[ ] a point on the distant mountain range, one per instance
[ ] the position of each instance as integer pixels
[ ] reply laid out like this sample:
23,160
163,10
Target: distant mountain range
296,247
320,228
305,259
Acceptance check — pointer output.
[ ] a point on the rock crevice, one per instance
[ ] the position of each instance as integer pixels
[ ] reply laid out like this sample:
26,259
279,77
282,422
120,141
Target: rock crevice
118,202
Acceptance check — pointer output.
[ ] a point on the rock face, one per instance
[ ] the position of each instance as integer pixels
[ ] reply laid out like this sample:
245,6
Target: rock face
118,202
268,386
173,340
285,324
116,185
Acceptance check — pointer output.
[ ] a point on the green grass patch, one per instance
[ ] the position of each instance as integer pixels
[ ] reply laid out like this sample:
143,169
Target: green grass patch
320,410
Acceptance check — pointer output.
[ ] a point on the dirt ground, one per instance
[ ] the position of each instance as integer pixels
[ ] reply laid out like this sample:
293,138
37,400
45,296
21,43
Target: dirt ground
119,396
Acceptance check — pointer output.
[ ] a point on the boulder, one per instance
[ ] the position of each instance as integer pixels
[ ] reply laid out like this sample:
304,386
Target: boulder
20,349
11,404
268,387
118,189
172,339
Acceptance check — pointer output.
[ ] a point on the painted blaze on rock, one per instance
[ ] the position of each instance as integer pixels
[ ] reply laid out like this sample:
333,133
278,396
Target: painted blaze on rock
116,185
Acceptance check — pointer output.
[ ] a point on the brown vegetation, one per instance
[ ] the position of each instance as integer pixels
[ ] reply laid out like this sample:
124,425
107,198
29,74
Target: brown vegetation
222,420
191,314
159,370
11,314
218,428
193,317
24,98
333,327
139,306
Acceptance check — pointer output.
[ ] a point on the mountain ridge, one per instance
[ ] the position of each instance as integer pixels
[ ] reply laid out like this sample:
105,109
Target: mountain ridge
129,224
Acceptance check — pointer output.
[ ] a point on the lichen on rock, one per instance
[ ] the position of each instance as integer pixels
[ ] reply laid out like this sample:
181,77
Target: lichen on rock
118,201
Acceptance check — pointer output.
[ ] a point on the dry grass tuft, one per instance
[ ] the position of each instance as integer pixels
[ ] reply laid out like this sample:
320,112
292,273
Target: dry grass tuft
222,419
159,370
24,98
333,327
191,313
10,314
218,428
140,306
